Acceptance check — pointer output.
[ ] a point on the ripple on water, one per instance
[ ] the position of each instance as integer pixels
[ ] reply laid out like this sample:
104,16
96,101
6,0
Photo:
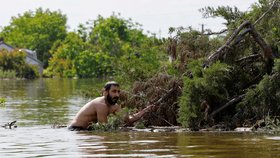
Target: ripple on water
273,137
43,141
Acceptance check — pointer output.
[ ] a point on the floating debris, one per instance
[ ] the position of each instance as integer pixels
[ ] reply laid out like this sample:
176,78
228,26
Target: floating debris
10,125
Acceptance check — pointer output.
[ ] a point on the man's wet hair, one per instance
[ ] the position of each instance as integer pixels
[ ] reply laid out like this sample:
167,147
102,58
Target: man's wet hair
109,84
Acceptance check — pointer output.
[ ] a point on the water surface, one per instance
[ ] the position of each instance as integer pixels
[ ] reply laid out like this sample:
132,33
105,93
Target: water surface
39,104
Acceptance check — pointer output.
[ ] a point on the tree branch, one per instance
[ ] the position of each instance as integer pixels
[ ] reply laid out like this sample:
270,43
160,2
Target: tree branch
253,56
231,102
223,49
265,13
215,33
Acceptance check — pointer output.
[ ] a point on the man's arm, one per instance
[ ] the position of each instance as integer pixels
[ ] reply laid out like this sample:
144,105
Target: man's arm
135,117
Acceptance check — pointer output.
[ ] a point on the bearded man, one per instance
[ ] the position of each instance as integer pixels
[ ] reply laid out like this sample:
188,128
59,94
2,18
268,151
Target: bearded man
100,108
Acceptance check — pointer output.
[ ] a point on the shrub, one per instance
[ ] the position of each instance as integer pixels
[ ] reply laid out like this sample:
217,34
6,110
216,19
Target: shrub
209,85
11,62
263,100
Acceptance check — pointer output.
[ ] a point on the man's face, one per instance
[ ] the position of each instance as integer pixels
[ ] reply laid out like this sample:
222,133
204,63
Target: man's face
113,95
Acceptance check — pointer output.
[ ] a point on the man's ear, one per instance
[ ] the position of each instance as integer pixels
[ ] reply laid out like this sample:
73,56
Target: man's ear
104,92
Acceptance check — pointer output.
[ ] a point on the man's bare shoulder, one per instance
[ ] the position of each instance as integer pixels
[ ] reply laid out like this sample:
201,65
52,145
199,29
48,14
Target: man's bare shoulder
99,101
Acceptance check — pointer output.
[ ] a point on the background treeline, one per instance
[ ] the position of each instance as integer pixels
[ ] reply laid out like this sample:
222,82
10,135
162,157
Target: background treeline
117,48
105,47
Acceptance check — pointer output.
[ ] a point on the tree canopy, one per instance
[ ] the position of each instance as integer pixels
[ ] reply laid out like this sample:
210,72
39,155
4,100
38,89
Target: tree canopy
111,46
36,30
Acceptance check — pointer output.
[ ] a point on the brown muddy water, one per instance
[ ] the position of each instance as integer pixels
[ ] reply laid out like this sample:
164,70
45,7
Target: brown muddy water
39,104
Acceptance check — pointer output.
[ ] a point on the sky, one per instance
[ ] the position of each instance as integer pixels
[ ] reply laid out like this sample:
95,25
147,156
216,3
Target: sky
156,16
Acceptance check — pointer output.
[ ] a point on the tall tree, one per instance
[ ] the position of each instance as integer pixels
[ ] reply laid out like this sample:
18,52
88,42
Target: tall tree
112,33
64,53
134,55
36,31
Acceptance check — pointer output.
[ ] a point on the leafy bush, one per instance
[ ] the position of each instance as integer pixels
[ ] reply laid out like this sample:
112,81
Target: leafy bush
11,62
263,100
28,72
209,85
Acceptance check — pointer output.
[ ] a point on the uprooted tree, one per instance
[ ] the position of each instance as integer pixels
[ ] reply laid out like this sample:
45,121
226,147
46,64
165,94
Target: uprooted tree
237,85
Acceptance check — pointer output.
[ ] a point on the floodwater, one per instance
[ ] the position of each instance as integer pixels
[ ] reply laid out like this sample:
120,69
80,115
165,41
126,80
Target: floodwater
39,104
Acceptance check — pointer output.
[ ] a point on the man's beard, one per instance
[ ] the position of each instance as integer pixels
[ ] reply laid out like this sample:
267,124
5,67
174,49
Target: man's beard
112,101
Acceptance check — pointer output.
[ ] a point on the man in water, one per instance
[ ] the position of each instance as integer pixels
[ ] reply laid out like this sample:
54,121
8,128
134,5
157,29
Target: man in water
99,108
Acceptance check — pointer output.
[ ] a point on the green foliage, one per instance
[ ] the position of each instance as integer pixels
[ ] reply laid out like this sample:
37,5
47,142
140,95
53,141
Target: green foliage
113,33
64,54
114,122
263,100
195,43
133,55
90,64
7,74
269,25
11,62
36,31
28,71
140,65
113,46
228,13
192,41
210,85
196,68
2,101
187,45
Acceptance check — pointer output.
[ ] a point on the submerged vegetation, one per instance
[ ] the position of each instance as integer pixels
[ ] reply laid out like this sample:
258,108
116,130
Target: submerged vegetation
2,101
197,79
114,122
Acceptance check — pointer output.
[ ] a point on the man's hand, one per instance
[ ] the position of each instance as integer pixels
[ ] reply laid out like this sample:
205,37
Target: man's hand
135,117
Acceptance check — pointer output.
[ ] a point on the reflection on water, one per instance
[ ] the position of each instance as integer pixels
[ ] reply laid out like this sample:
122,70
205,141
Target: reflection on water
43,141
42,101
37,104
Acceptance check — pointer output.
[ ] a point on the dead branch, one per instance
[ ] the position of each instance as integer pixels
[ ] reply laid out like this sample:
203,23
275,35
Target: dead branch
10,125
236,37
265,47
231,102
225,48
209,33
162,119
249,28
164,96
247,58
241,36
265,13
